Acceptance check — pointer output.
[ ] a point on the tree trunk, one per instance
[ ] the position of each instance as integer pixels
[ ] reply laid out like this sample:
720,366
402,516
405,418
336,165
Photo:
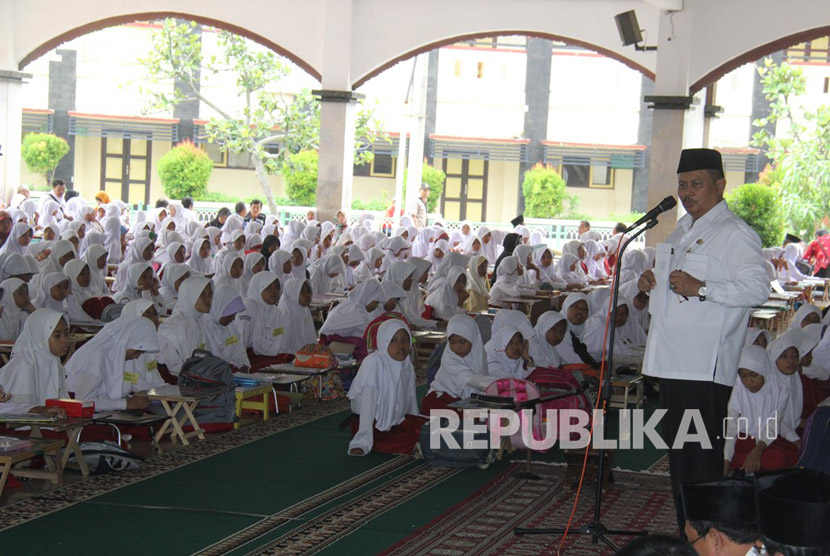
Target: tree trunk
262,176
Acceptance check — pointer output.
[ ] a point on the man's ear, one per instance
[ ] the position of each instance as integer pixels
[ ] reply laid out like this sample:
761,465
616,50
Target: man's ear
721,185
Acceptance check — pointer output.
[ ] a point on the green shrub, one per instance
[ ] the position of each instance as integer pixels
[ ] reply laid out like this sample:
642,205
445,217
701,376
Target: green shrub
374,204
42,152
544,192
215,197
185,171
435,178
758,205
300,176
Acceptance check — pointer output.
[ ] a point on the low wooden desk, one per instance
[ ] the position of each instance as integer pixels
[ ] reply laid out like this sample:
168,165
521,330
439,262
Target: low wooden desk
71,426
289,369
631,385
128,419
253,397
173,401
49,448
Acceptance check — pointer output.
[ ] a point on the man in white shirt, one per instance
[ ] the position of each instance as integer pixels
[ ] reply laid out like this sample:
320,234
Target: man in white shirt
21,195
714,277
58,189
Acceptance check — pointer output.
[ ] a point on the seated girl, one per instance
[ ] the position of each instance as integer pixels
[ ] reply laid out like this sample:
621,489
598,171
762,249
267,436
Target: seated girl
96,371
755,407
80,281
807,314
395,249
570,273
54,289
627,335
352,256
478,285
184,331
594,257
757,337
141,250
548,333
437,252
254,264
324,272
16,308
280,263
13,265
96,259
235,246
264,327
146,366
572,350
508,283
370,267
408,275
141,283
543,260
225,335
383,396
507,354
463,369
200,261
295,312
785,359
229,272
349,319
34,373
173,274
447,300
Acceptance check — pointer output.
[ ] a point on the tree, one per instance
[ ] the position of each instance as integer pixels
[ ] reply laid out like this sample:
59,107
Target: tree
184,171
544,191
757,204
42,152
267,116
799,149
301,182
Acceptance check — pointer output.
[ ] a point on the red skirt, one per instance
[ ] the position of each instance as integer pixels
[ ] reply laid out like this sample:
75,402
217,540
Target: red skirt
437,400
400,439
262,361
781,454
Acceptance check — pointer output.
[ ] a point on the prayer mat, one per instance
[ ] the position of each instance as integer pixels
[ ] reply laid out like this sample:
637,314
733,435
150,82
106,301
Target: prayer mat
483,524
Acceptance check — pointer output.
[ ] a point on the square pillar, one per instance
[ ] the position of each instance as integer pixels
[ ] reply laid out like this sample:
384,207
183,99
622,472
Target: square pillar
11,129
336,163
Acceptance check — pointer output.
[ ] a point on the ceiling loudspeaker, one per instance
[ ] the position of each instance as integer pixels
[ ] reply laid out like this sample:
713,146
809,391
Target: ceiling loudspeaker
628,28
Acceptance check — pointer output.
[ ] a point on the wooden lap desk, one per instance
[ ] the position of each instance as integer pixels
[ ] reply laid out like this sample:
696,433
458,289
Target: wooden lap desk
128,419
49,448
632,385
71,426
173,402
290,369
253,397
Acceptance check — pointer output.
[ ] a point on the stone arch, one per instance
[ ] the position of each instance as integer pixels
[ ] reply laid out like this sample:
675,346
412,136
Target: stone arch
443,42
130,18
756,53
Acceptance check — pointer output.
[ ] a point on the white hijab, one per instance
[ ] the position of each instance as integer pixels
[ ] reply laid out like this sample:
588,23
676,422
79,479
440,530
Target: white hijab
183,332
33,374
350,318
321,271
498,364
44,299
112,231
226,342
461,376
98,276
196,262
755,409
276,262
11,245
544,354
13,317
789,386
476,283
444,300
300,326
265,330
173,272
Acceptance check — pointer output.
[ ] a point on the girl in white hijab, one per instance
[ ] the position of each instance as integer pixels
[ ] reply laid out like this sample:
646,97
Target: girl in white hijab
80,279
141,282
626,335
97,370
570,272
572,350
548,333
543,259
754,410
529,275
370,267
383,396
254,264
323,273
14,302
200,261
437,252
34,373
184,331
18,240
53,291
807,314
784,359
448,299
594,255
508,283
413,305
294,311
280,264
96,258
355,257
351,317
264,329
299,258
463,369
112,232
62,252
234,223
13,265
224,334
141,250
513,319
230,272
478,284
505,354
173,276
757,337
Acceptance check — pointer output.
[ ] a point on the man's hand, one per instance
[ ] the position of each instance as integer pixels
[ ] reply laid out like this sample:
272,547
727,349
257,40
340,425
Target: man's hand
684,284
647,281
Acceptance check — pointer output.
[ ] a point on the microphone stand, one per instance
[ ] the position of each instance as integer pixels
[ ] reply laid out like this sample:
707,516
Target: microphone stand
597,530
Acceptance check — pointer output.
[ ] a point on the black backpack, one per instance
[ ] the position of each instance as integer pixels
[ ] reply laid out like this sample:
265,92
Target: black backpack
204,371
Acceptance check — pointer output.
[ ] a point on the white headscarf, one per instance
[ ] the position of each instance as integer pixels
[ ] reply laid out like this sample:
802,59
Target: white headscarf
572,298
350,318
73,269
196,262
803,311
12,264
461,376
789,386
183,332
476,283
752,335
507,281
544,354
223,274
13,317
596,269
625,337
755,409
33,374
498,364
321,271
98,284
226,342
134,254
514,319
265,330
11,245
44,299
392,382
97,370
444,300
563,270
112,231
129,290
173,272
299,329
251,260
276,262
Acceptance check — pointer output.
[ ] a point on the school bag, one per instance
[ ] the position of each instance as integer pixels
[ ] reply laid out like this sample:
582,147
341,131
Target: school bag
204,371
816,441
105,456
450,456
553,380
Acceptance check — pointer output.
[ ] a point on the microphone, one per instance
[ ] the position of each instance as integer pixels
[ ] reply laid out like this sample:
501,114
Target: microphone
666,204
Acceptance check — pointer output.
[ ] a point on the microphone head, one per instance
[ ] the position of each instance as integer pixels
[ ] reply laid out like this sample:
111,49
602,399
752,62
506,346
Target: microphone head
668,203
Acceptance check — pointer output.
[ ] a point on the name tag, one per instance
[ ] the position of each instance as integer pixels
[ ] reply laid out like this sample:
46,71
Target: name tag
278,332
231,341
152,365
132,378
201,346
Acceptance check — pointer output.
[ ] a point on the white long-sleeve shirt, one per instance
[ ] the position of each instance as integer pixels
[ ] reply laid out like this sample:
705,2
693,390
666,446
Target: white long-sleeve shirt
702,340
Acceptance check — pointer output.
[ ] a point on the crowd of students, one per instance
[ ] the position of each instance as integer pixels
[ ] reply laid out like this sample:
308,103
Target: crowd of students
241,286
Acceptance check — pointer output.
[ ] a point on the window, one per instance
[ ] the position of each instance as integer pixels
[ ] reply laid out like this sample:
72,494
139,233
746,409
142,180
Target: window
216,154
383,166
579,172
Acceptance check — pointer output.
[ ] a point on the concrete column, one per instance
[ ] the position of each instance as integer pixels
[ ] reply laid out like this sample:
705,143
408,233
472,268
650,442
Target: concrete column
188,110
336,164
11,124
432,95
537,98
639,193
62,85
